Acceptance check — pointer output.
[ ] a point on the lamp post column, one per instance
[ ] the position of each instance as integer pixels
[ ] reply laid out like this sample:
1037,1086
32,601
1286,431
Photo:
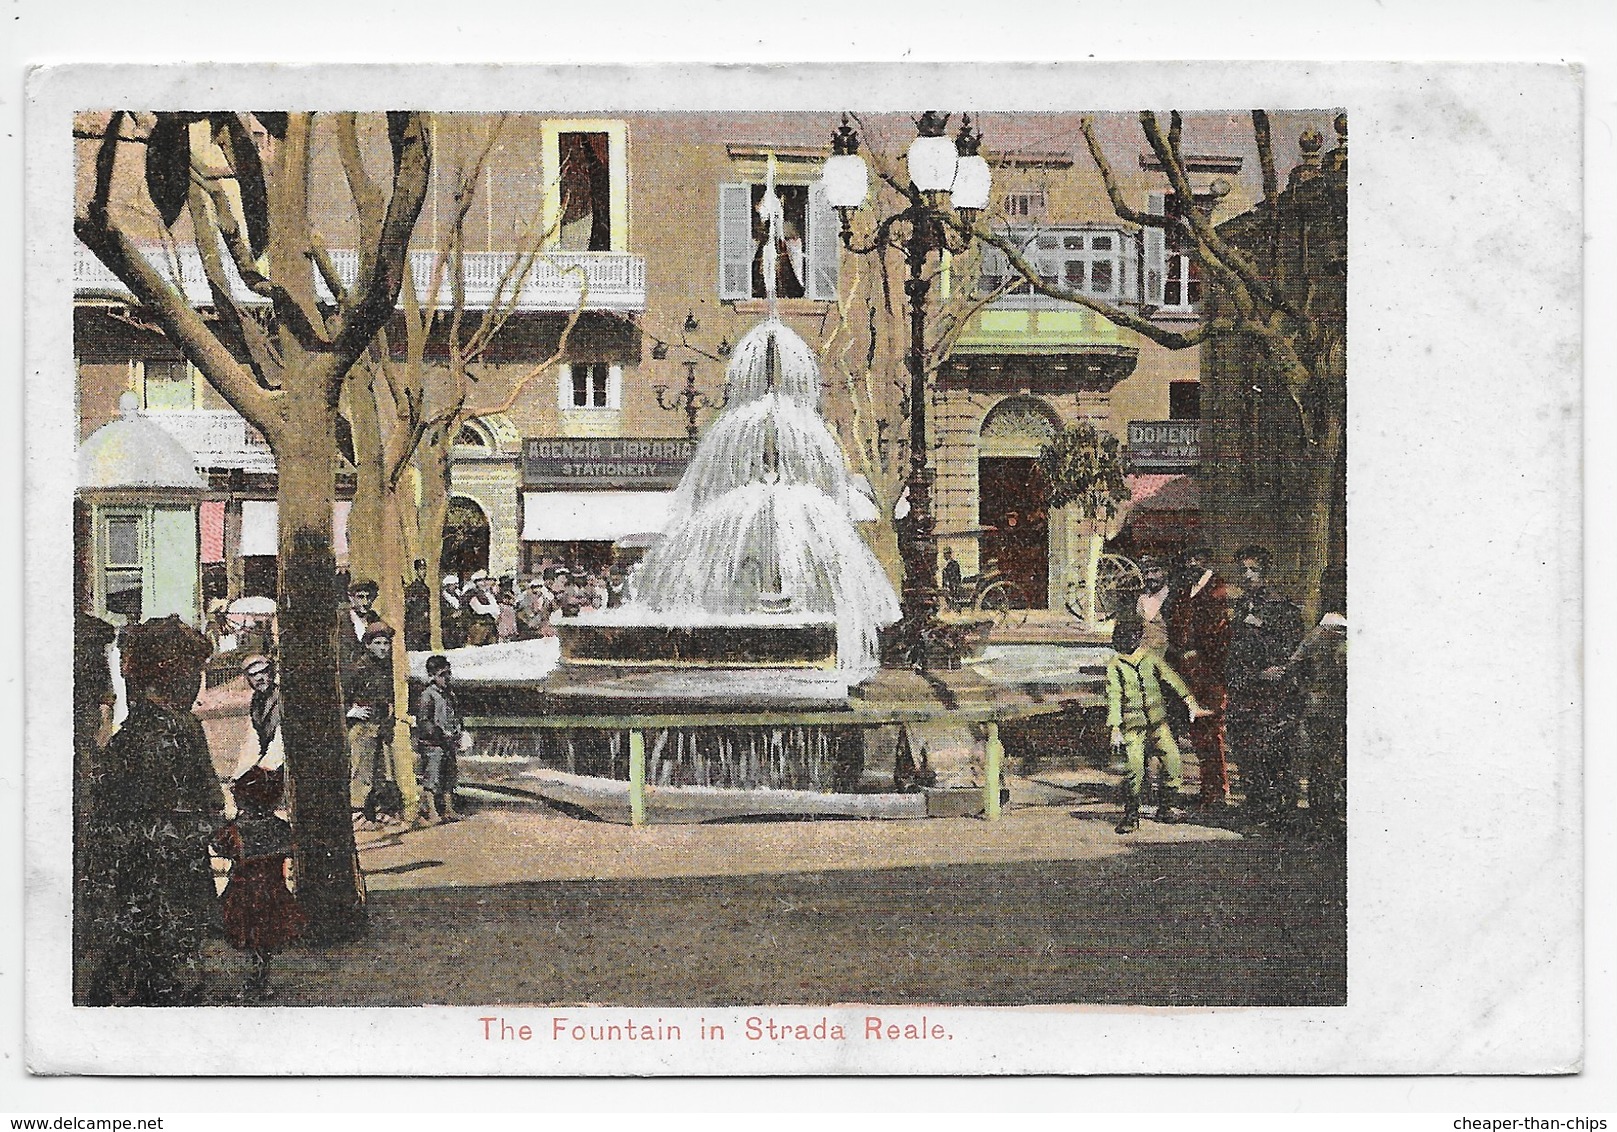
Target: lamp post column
919,600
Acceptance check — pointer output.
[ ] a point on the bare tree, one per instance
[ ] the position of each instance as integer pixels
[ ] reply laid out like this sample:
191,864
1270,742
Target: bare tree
280,360
1278,282
413,391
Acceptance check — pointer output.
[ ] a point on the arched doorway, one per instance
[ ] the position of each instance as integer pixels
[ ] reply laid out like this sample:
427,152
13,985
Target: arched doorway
466,533
1011,494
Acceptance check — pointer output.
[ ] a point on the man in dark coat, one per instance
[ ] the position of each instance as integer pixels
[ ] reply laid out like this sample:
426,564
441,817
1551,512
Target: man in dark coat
452,613
1263,704
94,699
1198,640
153,802
353,621
418,610
368,691
438,739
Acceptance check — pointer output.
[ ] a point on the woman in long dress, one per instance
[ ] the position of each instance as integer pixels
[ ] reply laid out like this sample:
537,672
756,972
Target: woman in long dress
153,802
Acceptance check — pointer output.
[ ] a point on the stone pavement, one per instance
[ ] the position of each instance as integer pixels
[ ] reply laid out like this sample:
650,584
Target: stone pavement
523,905
503,841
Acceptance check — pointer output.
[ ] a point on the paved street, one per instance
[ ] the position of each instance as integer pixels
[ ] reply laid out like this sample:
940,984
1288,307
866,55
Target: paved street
527,906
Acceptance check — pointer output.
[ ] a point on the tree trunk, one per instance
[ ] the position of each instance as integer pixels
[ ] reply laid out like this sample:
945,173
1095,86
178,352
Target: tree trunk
1318,499
327,868
1094,540
377,552
432,513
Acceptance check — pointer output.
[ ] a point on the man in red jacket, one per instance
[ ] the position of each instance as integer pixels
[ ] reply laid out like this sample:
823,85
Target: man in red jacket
1198,614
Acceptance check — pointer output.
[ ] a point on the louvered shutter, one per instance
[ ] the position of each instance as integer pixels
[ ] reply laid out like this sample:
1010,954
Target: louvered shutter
735,241
614,387
823,236
995,266
1131,268
1154,241
564,386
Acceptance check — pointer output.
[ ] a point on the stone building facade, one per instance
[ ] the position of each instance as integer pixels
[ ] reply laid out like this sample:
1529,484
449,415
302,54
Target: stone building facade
647,224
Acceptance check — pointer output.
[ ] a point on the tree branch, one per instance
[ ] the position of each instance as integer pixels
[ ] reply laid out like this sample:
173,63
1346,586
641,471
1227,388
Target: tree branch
378,291
1173,340
1114,192
106,160
183,325
1266,154
242,327
1224,260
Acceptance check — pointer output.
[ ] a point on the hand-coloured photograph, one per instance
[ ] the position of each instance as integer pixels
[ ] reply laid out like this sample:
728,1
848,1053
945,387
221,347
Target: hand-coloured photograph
943,521
765,580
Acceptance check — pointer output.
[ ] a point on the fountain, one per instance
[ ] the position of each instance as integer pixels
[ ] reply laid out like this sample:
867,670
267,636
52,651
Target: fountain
761,564
748,652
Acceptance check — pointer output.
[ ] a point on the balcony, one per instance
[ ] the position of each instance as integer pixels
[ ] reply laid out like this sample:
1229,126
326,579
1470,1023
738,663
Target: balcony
218,438
557,281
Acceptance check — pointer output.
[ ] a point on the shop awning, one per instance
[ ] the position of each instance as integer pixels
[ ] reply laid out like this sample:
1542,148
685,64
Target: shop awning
1163,493
592,516
260,528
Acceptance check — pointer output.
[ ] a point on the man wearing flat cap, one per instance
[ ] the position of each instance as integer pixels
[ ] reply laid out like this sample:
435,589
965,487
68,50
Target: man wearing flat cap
263,746
368,692
353,621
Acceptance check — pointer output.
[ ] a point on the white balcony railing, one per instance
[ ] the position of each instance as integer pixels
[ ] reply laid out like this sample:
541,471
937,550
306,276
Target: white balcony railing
556,281
218,438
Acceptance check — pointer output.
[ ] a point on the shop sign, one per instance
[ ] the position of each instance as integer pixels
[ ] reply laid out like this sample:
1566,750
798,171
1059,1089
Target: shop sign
585,462
1166,446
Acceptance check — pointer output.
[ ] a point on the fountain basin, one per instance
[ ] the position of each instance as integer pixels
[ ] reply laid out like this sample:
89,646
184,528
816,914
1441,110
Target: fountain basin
683,638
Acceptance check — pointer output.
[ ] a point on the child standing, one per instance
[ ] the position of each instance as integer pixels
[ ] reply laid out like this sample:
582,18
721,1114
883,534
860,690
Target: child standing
1135,710
260,915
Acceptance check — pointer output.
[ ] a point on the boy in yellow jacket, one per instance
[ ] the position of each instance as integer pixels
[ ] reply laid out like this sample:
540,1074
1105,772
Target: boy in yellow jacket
1134,710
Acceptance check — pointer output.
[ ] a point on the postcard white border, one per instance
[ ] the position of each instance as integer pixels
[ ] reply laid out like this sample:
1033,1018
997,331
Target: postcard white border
1465,888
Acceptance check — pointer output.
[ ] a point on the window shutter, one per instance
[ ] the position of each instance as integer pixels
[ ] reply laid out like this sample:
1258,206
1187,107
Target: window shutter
564,386
1154,240
735,241
823,245
614,387
1131,269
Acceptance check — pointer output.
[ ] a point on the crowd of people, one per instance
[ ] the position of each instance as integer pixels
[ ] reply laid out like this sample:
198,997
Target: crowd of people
484,610
1255,689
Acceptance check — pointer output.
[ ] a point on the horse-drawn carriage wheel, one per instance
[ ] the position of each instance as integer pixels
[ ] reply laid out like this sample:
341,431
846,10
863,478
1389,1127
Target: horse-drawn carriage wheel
1005,601
1115,574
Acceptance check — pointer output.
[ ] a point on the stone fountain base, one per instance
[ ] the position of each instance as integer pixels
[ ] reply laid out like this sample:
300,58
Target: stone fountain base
741,641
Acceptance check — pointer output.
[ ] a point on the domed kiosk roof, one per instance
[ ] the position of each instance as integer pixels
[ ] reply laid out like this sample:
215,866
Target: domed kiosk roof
134,452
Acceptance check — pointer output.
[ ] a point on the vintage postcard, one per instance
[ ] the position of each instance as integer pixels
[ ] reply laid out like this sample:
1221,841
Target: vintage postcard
681,570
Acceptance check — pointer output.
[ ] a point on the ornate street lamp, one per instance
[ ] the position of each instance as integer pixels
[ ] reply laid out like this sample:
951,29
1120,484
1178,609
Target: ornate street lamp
949,181
691,399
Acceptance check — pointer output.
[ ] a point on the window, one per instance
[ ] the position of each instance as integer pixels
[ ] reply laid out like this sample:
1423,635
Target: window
1182,287
586,203
806,262
1025,205
590,385
166,386
1090,261
121,574
586,191
1185,400
1173,277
